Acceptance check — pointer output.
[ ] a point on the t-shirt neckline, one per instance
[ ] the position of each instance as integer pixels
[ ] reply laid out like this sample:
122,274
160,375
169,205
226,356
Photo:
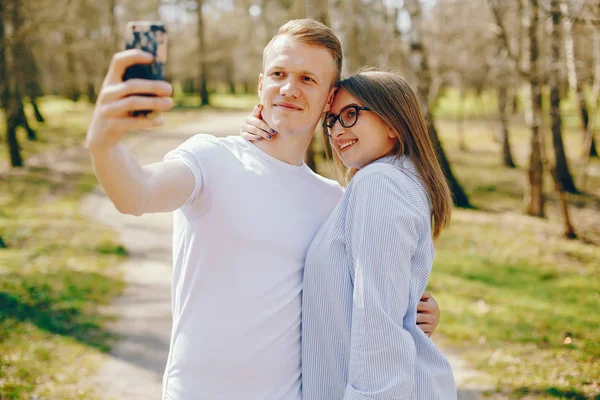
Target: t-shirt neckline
266,156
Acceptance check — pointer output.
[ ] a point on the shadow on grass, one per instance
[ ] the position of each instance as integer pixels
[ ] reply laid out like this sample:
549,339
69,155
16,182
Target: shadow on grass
490,194
560,393
63,303
39,181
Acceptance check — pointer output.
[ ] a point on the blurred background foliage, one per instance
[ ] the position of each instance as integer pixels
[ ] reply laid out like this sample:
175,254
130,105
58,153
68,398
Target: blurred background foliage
510,89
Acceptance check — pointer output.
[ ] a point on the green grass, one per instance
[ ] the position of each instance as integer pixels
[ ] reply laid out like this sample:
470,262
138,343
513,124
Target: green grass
485,106
511,289
59,267
518,300
57,270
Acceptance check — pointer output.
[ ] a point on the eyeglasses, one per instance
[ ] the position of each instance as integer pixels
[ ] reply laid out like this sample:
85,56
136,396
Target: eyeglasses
348,117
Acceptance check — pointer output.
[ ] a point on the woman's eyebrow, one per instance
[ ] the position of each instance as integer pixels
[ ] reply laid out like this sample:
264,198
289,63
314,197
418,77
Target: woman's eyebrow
350,105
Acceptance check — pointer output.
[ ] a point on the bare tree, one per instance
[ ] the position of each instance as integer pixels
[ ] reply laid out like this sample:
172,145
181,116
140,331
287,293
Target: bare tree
203,73
318,10
460,123
10,101
503,74
33,88
19,50
354,53
4,84
73,91
530,13
528,68
561,166
421,69
588,139
114,27
507,158
575,83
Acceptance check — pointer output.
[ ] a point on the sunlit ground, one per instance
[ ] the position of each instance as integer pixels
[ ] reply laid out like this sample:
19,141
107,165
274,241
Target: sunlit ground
518,301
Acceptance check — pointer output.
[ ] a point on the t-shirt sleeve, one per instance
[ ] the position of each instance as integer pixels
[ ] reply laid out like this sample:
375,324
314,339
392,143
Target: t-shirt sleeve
198,153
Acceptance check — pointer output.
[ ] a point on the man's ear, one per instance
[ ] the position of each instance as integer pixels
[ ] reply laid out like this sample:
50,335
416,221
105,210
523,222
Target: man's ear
330,99
260,84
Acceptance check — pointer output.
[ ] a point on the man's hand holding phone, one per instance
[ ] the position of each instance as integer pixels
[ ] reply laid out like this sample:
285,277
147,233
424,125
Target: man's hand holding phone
119,99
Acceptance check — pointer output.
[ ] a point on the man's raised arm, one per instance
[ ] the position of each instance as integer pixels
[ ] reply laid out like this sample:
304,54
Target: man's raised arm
134,189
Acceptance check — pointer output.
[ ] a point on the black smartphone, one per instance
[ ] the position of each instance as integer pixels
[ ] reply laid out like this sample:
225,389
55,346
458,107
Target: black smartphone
149,36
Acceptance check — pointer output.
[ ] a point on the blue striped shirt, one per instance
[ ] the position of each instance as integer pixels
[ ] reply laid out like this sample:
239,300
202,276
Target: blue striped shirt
364,274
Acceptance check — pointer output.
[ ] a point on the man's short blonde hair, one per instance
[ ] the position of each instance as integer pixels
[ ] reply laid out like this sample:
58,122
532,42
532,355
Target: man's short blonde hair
313,33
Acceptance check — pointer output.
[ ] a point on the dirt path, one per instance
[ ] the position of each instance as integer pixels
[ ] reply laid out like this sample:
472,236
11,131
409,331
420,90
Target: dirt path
134,368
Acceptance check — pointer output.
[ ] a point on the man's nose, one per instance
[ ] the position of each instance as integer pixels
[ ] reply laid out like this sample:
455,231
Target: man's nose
289,89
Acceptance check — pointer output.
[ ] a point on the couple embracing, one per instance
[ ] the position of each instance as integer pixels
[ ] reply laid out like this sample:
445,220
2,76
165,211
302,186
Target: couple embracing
286,285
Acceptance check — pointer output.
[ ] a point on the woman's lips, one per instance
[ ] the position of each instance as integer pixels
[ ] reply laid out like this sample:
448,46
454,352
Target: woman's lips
347,144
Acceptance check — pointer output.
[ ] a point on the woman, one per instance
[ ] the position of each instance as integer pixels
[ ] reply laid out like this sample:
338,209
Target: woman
369,264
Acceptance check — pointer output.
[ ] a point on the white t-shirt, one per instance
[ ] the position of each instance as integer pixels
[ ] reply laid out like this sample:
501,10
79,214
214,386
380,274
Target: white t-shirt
239,246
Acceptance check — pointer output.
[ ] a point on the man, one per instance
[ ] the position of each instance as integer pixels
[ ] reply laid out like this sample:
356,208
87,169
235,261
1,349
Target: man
237,275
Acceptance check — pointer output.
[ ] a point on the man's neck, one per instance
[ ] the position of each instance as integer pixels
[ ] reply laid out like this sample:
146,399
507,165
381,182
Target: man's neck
287,148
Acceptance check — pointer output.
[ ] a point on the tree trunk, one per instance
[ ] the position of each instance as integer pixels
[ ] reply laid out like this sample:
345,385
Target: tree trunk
458,194
4,84
269,29
31,134
569,231
32,85
562,173
352,55
36,110
318,10
383,60
588,137
91,92
587,144
460,124
12,122
420,66
535,198
114,46
203,78
594,149
73,91
230,73
9,101
507,158
19,62
589,133
573,77
514,103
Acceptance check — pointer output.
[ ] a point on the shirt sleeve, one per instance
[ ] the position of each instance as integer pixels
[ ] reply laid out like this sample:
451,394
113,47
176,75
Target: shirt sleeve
197,153
383,230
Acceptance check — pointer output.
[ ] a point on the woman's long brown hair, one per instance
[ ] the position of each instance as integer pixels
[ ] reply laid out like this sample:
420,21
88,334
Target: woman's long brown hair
392,99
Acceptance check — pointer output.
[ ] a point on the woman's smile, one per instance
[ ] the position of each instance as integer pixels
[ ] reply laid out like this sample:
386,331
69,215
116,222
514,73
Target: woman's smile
344,145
